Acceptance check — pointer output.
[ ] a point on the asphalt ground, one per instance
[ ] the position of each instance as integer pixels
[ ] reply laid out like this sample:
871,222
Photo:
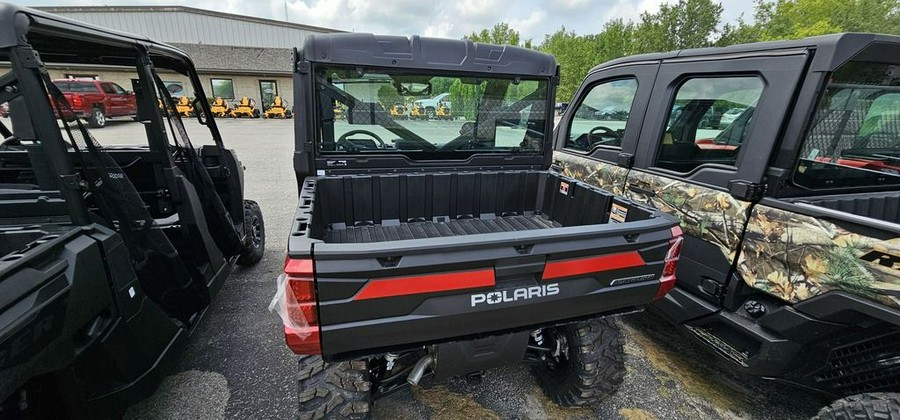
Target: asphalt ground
236,366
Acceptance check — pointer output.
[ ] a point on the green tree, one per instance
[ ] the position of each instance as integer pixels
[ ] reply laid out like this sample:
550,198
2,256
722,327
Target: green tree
575,54
500,34
387,95
686,24
792,19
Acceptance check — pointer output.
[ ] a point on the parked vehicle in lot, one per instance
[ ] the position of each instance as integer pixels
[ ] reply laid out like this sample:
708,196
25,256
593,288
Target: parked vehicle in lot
97,100
109,256
791,262
428,108
448,248
729,116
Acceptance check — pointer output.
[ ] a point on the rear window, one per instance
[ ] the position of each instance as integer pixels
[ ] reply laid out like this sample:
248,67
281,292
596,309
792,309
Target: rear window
429,115
854,137
77,87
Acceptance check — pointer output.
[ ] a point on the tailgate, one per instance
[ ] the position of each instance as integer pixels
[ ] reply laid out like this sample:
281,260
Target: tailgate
423,291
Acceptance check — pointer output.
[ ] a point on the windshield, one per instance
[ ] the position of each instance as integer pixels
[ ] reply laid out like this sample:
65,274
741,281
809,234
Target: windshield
854,139
427,115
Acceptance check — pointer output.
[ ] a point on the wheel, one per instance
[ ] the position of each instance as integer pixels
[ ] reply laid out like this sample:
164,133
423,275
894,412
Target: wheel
97,118
876,405
288,114
333,390
429,113
588,366
254,235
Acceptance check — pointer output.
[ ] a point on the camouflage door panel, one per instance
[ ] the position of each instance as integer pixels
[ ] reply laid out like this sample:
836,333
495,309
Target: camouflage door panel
796,257
711,215
604,175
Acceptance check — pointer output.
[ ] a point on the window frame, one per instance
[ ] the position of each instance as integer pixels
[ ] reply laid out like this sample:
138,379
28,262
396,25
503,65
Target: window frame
645,72
212,85
782,72
679,84
582,95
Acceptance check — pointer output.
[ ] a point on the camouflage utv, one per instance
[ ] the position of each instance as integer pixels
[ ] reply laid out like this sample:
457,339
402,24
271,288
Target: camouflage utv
790,206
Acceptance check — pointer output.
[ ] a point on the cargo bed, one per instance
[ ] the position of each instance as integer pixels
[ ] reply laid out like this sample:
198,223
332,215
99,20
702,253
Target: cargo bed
417,252
384,208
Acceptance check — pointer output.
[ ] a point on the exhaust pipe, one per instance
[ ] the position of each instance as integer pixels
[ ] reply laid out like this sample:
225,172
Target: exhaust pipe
419,369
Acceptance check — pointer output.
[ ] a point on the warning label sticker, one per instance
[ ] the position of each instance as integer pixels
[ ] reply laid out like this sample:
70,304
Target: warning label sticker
618,213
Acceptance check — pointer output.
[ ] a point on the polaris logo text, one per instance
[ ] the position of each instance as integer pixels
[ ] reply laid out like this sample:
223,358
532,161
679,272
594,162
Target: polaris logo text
513,295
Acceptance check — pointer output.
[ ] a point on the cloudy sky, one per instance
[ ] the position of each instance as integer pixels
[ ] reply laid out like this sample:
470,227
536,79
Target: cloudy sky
454,18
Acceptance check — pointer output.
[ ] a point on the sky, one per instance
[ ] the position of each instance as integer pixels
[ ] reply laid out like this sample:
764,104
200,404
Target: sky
454,18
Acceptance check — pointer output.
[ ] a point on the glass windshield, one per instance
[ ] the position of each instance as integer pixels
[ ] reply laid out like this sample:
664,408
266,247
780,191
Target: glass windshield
854,139
379,111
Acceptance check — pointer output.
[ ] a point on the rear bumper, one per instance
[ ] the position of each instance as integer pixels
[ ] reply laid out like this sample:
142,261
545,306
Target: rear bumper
453,318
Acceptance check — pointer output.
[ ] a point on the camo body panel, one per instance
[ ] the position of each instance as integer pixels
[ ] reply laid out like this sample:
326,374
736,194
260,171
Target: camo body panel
788,255
600,174
796,257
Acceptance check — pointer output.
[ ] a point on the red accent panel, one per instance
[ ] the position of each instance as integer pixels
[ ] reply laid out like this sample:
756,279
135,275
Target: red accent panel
400,286
312,344
298,267
579,266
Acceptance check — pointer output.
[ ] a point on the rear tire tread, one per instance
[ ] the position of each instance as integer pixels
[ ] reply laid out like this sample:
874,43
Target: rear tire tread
333,390
871,406
596,367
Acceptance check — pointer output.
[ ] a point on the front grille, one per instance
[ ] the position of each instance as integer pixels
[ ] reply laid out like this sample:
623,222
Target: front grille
868,365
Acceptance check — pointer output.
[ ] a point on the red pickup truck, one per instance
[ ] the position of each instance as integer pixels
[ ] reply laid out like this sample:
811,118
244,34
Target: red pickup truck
97,100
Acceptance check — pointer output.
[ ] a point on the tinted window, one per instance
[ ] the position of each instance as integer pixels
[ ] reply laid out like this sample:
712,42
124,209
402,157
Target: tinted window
600,118
107,88
117,89
429,115
222,88
854,137
708,122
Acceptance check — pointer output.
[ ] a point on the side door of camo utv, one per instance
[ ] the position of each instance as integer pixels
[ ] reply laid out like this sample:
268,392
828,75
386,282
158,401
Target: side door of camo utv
597,136
706,171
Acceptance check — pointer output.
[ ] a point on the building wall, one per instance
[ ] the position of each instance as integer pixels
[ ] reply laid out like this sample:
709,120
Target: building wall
192,26
244,85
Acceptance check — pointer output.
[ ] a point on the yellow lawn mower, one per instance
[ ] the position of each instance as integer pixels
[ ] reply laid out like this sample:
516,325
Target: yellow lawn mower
278,109
418,112
184,107
246,108
398,111
220,108
339,111
443,111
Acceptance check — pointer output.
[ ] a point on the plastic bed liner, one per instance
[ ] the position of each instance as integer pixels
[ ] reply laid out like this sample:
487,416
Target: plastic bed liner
395,207
422,230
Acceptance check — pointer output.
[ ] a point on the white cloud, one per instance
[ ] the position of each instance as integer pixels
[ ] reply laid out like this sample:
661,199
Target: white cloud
454,19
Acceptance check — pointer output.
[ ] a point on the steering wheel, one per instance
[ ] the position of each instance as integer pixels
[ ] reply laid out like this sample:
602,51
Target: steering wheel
600,132
347,144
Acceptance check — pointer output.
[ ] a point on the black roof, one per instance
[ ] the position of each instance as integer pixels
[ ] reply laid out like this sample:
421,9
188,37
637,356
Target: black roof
426,53
17,22
831,50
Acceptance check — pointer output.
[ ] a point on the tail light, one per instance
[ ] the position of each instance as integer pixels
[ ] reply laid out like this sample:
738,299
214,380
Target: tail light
301,330
77,101
667,282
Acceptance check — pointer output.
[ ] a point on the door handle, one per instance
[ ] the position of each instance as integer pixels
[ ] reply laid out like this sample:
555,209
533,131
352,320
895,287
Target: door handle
640,190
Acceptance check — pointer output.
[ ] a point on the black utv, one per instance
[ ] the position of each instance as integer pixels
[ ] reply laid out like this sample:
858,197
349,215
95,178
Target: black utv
109,255
782,161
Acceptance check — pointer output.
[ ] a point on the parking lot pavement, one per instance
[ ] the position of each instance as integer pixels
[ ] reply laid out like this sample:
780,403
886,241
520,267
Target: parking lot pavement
236,365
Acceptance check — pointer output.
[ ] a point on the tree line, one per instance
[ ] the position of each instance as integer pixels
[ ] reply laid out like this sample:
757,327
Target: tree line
697,24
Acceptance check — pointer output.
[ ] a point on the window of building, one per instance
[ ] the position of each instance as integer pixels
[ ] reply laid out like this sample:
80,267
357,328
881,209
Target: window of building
600,118
708,122
222,88
854,137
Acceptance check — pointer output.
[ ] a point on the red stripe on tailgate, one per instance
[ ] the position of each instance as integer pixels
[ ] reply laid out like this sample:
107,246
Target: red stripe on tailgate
567,268
429,283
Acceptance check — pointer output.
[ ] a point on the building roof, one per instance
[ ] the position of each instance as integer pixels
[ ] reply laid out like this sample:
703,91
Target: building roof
188,25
